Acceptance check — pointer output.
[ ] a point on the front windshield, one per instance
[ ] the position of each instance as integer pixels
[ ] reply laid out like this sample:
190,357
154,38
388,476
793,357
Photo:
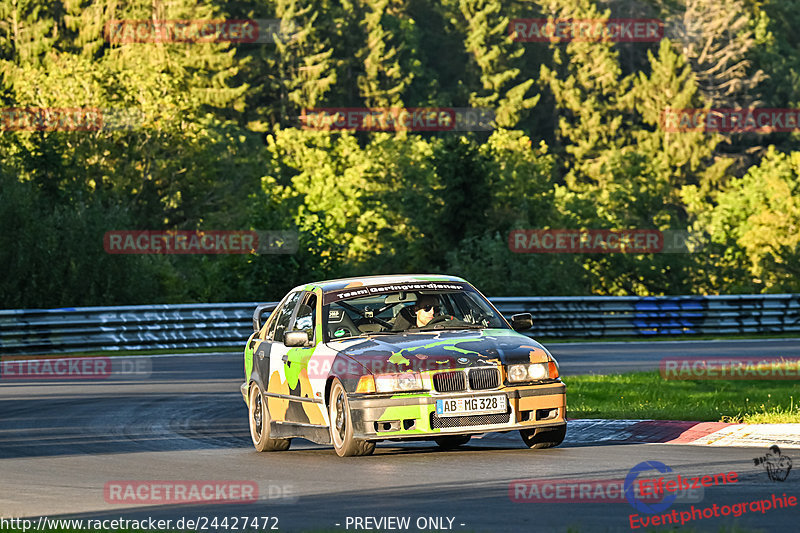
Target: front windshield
400,311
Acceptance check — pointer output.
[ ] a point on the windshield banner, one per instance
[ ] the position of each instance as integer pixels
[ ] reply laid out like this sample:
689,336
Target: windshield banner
377,290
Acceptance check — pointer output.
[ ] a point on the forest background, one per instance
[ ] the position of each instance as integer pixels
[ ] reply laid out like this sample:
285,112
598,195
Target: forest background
217,145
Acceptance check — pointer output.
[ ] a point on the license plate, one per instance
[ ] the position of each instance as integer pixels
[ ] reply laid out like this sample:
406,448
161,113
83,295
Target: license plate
474,405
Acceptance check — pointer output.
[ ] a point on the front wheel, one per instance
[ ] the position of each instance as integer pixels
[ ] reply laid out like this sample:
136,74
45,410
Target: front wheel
259,423
539,438
342,425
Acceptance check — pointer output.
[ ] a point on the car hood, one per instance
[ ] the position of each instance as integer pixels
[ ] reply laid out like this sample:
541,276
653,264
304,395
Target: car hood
442,349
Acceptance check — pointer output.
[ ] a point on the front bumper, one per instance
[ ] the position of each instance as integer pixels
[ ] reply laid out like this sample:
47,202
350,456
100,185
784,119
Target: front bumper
414,415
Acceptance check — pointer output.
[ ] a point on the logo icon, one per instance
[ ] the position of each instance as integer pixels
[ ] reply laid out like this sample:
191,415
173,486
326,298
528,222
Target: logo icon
630,495
777,465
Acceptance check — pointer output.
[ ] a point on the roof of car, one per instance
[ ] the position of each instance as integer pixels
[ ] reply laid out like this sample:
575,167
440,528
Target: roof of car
368,281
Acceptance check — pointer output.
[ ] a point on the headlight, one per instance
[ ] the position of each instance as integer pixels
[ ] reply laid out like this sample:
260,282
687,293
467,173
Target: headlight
530,372
538,371
517,373
405,382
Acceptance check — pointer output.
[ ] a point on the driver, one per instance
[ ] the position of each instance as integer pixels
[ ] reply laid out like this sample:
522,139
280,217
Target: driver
421,315
425,309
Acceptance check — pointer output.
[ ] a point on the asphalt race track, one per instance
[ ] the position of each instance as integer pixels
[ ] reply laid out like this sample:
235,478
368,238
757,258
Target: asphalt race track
618,357
63,443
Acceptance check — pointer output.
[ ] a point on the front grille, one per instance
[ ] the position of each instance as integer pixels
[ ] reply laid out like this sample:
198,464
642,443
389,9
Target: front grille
484,378
438,422
449,382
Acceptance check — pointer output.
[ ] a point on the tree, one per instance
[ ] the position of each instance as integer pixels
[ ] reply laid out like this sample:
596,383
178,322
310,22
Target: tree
324,181
168,163
587,85
304,61
755,226
679,158
719,42
717,38
383,80
495,55
29,28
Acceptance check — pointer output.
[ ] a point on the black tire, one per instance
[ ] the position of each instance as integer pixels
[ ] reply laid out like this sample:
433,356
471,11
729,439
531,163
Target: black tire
259,423
452,442
540,438
342,425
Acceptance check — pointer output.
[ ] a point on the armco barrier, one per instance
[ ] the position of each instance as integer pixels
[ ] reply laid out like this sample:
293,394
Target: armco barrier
142,327
598,316
132,327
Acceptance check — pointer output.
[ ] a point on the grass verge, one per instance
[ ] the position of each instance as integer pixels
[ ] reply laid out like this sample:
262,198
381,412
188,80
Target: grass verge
646,395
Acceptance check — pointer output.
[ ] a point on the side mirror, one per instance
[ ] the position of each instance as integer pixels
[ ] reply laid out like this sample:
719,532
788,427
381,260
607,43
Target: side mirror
521,321
295,338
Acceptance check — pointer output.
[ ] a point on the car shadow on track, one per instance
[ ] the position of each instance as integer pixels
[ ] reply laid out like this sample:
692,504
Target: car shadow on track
122,424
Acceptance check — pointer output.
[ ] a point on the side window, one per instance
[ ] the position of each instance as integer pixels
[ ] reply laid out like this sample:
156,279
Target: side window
269,325
284,314
272,321
305,316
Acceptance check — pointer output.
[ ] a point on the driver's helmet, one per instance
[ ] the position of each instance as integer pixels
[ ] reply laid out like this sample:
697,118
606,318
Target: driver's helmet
427,300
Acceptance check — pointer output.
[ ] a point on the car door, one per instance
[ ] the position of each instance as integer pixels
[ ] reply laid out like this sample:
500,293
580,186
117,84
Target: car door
270,358
305,406
261,344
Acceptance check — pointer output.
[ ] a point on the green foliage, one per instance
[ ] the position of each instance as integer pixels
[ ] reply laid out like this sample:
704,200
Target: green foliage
209,139
58,257
383,80
756,222
492,51
303,60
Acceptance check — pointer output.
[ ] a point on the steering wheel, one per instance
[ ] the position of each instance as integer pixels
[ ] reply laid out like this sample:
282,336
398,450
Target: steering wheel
439,319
